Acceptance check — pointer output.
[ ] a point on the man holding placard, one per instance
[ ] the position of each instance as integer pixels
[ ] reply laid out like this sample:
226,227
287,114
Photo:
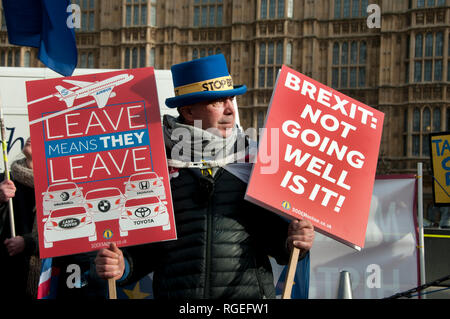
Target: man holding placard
223,241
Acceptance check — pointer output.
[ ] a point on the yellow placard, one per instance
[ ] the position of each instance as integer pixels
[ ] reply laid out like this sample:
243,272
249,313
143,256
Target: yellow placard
440,163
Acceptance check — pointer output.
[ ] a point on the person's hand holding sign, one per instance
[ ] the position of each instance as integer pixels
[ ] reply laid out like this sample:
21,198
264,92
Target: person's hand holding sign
300,235
109,263
7,190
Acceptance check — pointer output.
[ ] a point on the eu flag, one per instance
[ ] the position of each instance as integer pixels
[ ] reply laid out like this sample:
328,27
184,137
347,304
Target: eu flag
43,24
300,288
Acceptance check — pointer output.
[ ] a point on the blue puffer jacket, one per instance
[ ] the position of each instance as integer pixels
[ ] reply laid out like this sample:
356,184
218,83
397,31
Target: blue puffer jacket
223,243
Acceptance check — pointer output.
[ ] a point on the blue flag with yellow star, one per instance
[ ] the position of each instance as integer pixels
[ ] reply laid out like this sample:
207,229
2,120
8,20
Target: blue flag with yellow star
142,289
300,288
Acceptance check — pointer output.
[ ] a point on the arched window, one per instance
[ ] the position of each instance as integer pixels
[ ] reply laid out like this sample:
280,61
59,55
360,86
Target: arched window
426,120
337,8
17,57
142,57
349,65
263,13
289,53
429,44
134,58
90,60
262,53
272,6
270,54
336,53
279,52
355,8
439,44
419,45
354,53
260,119
344,53
346,8
152,57
362,52
290,8
428,63
280,9
436,119
127,58
416,120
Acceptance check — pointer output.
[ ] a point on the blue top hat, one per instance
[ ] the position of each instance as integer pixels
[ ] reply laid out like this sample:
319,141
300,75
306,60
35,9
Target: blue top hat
203,79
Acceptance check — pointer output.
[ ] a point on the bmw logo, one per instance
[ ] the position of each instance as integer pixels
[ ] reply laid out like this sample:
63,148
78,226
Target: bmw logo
286,205
104,206
107,234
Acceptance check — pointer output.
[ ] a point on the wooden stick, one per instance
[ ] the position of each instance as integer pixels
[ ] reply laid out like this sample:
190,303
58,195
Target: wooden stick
7,174
112,288
290,273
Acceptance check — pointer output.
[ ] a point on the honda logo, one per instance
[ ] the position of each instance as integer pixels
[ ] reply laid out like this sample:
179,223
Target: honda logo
144,185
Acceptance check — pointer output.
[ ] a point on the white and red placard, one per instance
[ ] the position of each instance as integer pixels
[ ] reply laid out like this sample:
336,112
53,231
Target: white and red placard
317,157
99,160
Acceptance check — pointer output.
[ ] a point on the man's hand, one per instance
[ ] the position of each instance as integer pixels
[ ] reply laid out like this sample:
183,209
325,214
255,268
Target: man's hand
109,263
300,235
7,190
15,245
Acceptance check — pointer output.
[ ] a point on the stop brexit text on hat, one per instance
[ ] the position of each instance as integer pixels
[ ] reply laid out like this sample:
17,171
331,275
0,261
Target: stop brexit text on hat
317,157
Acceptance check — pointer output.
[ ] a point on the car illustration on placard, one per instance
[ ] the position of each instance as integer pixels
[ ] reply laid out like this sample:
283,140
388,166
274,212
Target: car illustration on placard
68,223
105,203
144,185
62,195
146,212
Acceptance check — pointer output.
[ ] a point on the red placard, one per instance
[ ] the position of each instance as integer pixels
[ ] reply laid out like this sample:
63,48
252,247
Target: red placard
100,168
317,158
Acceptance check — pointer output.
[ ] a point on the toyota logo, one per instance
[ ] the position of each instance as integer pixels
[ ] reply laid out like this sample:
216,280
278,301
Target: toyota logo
142,212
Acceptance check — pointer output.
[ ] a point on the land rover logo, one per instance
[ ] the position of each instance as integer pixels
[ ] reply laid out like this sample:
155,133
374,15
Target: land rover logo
104,206
142,212
64,196
69,223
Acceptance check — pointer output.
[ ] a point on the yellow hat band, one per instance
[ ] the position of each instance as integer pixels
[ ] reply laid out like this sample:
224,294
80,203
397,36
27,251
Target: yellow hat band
218,84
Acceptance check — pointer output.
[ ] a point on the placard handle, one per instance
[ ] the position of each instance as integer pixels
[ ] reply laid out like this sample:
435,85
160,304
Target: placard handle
292,267
112,288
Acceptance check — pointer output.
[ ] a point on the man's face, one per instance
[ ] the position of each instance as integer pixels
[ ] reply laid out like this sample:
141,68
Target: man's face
218,114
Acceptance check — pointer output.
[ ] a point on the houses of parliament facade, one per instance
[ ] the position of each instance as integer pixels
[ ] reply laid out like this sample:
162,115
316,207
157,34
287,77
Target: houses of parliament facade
401,66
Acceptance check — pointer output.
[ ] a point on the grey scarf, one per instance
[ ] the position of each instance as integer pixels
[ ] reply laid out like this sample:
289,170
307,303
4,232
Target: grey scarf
22,173
191,146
